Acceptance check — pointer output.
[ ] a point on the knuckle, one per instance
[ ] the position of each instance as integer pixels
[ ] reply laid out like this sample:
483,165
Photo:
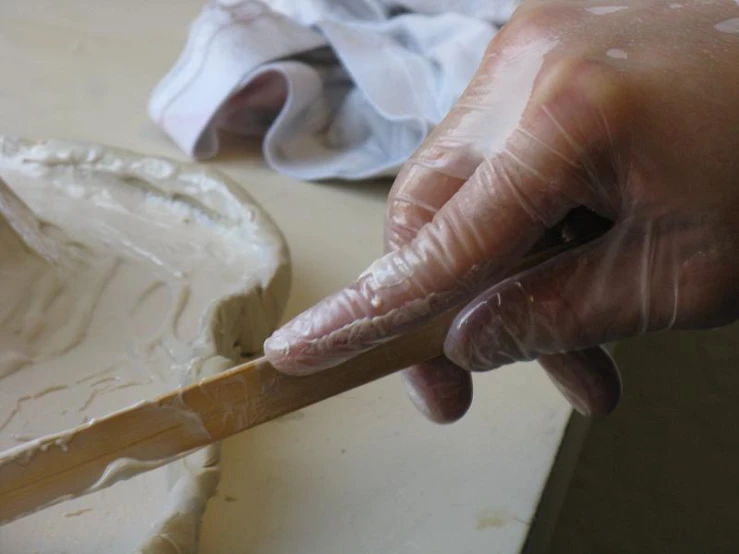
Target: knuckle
511,326
536,20
590,86
403,220
396,235
539,196
538,319
570,69
532,23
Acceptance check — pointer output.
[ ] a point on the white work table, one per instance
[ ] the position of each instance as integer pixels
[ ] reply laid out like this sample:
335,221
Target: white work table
359,473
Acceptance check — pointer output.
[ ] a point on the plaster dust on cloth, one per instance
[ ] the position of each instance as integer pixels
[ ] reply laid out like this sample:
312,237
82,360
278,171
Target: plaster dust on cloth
339,88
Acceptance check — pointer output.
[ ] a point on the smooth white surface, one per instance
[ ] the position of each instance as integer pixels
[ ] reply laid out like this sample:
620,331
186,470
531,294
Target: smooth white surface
84,70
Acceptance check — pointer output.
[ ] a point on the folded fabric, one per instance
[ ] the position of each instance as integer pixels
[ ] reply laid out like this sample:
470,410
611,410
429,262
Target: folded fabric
339,89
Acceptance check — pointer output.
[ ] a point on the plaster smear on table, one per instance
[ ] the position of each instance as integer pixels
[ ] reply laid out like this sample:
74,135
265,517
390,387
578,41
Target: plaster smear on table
122,278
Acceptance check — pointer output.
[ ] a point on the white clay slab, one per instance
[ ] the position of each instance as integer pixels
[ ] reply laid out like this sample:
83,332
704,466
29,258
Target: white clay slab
122,277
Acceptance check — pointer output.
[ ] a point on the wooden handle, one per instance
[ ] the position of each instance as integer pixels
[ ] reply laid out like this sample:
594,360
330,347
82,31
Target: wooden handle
73,463
85,459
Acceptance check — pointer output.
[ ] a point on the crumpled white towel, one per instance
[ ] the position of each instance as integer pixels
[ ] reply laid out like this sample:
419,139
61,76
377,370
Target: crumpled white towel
339,88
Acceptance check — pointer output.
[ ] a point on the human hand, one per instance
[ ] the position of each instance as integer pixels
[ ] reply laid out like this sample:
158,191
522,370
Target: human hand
628,112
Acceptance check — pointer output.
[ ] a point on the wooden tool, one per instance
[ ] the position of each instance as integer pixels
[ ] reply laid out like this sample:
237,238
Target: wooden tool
56,467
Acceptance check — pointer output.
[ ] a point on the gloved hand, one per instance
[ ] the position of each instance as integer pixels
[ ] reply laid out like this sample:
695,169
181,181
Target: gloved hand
630,112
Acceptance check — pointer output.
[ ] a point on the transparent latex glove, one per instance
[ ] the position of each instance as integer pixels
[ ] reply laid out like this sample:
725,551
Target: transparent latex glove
630,112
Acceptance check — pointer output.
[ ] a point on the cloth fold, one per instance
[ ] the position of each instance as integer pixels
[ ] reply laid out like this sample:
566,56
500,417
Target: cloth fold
339,89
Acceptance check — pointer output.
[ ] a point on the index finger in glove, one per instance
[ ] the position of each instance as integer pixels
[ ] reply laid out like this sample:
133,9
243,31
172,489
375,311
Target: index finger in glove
441,390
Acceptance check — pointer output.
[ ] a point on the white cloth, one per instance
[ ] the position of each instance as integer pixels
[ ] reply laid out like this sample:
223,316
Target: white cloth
339,88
